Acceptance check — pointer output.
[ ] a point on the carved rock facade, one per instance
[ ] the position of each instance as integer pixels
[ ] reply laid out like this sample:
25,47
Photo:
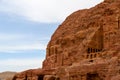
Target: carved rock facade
86,46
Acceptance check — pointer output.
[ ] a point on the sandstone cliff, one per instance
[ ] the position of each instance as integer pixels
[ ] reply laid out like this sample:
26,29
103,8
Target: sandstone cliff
86,46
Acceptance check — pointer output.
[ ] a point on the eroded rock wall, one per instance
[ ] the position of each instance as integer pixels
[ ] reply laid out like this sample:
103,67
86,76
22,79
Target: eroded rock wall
86,46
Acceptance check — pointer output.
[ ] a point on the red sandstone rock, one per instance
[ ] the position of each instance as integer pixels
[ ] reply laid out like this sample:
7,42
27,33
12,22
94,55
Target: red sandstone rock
86,46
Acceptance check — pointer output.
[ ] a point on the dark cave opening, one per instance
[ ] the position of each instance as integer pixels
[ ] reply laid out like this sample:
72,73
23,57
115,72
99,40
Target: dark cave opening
93,76
40,77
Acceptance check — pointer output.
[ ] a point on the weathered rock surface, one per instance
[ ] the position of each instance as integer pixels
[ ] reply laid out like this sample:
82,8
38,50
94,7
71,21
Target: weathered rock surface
7,75
86,46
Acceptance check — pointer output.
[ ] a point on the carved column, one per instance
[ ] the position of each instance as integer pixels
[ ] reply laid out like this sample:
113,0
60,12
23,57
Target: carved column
119,22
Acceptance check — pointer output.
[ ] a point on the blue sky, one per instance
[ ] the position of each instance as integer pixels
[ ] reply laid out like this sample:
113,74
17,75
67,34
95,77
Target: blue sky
22,40
26,27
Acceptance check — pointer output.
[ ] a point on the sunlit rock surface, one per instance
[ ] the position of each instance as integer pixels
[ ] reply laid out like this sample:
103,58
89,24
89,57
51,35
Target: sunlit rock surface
86,46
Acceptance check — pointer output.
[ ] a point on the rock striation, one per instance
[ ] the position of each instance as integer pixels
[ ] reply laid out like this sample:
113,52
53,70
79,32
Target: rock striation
86,46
